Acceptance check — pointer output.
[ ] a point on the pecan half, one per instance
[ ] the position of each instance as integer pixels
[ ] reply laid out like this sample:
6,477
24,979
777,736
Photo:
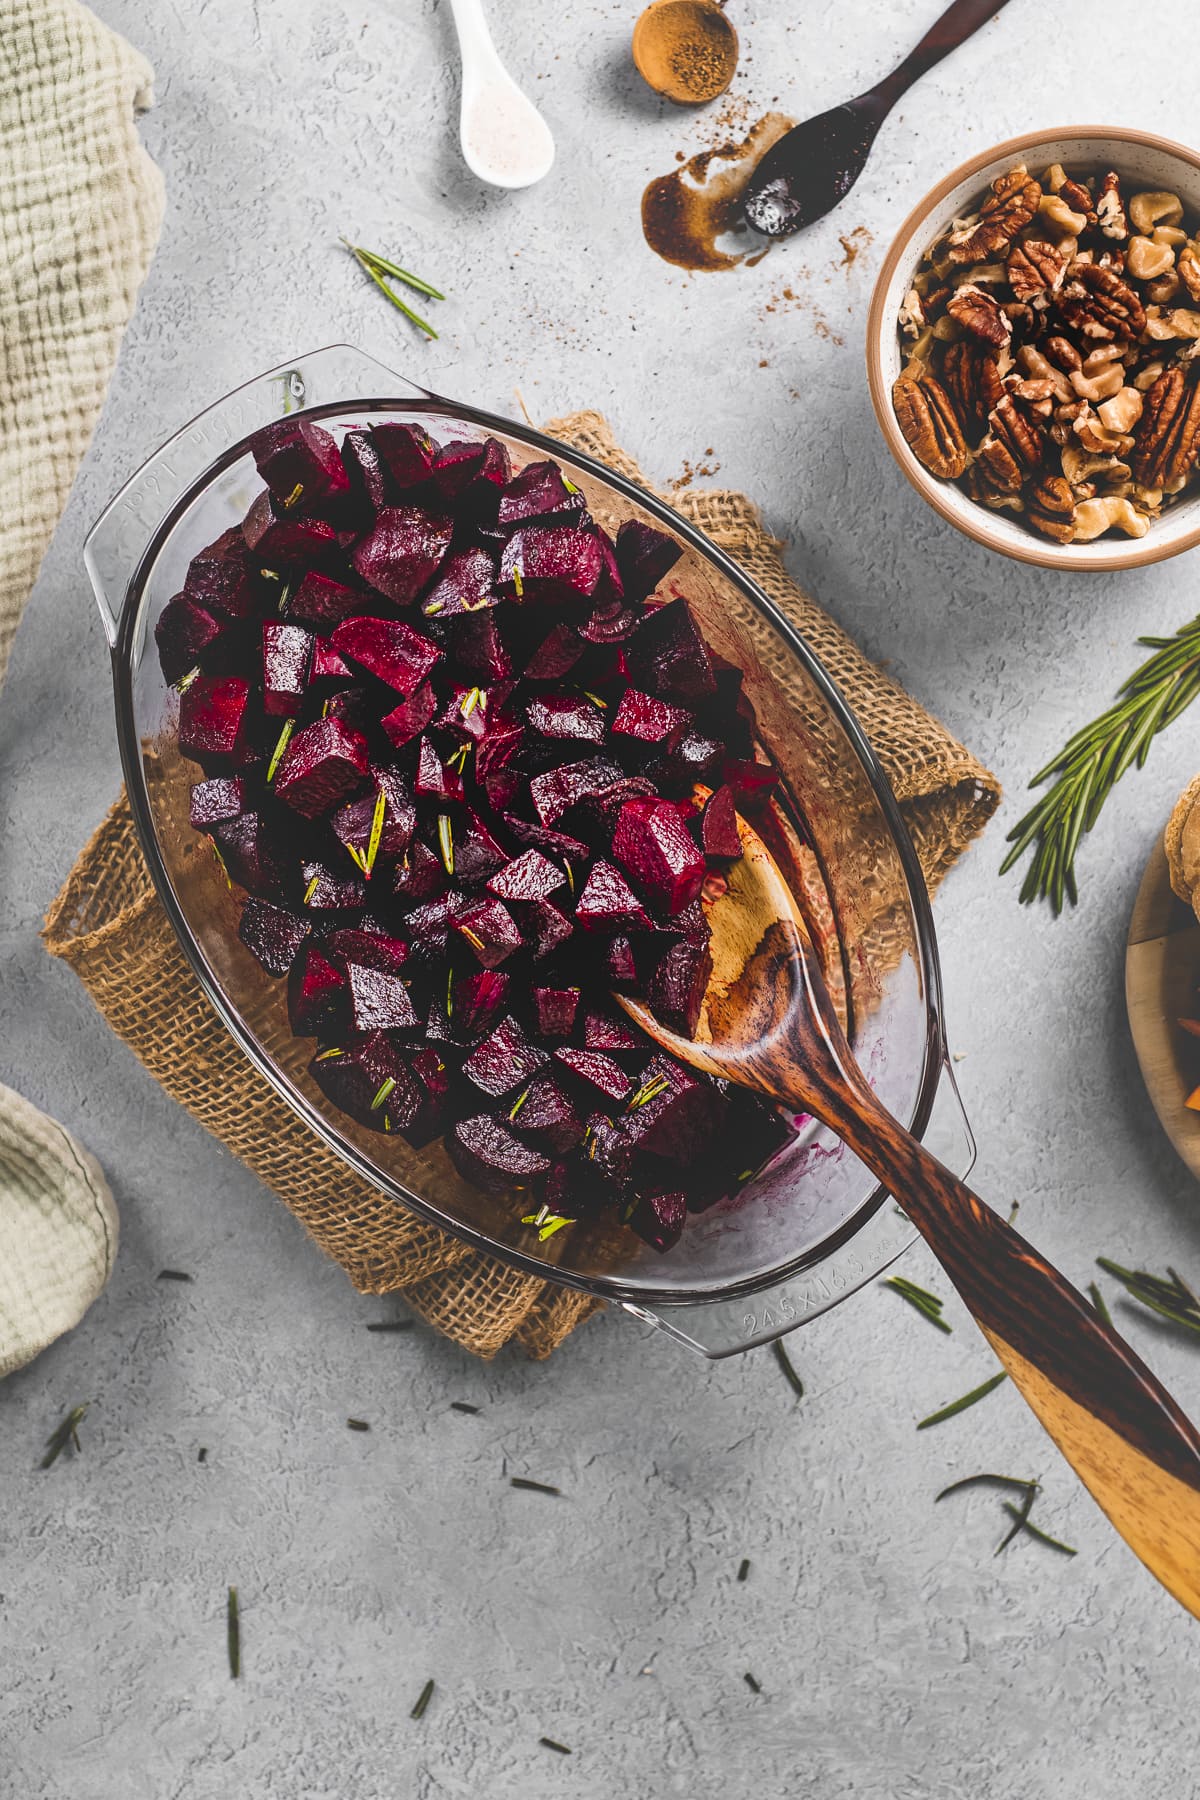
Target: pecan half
1050,508
1035,267
1063,354
972,379
926,415
1078,199
997,474
1006,211
1110,208
978,312
1096,302
1018,432
1167,442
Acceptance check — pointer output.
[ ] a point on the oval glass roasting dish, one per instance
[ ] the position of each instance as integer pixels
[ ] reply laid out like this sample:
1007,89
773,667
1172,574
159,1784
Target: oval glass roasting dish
813,1225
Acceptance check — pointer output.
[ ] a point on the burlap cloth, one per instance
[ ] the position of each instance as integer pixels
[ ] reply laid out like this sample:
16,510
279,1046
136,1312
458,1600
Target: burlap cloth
108,924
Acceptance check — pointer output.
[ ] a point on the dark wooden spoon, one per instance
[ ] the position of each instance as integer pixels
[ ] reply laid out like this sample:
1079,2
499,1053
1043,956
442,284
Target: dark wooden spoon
811,168
768,1023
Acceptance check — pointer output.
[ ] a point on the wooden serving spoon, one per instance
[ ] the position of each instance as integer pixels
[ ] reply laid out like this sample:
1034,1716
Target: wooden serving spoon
815,165
768,1023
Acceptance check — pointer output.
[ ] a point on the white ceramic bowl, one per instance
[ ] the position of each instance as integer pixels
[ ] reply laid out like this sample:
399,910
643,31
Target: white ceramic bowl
1143,161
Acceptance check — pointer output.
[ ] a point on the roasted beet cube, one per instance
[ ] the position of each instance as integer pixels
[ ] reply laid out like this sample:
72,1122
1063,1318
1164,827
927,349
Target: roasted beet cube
610,1032
329,890
377,1000
752,782
213,719
403,549
544,1112
373,949
327,666
429,924
609,1147
505,1060
597,1071
223,797
367,1080
667,656
185,630
620,966
250,854
387,649
718,825
365,470
476,853
322,764
556,655
473,473
480,649
406,452
316,987
695,758
650,720
219,580
286,656
422,1112
477,1002
566,716
323,603
606,803
675,1114
530,876
418,875
435,780
559,565
608,903
653,844
540,488
299,462
409,719
678,985
272,934
491,931
555,1009
465,584
546,927
659,1218
644,556
500,743
282,537
556,791
354,823
485,1152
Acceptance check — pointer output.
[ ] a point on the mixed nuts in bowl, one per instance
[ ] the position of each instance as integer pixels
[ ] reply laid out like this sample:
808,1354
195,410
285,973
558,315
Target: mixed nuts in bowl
1034,349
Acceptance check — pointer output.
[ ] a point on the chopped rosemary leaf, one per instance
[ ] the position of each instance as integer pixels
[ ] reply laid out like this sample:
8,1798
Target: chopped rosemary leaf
390,1325
433,608
423,1699
743,1568
754,1686
649,1091
221,863
553,1744
385,1088
376,837
471,701
311,889
64,1433
989,1480
518,583
1035,1531
473,938
185,681
784,1361
280,746
328,1055
961,1405
594,698
534,1487
1171,1299
1099,1303
293,496
358,1425
463,1406
172,1275
445,831
927,1304
233,1633
569,872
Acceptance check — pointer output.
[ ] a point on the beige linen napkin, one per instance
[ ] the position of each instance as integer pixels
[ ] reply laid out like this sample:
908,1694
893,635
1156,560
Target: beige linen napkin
80,209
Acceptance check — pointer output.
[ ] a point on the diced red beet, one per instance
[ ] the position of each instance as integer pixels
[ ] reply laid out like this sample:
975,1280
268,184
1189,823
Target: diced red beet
530,876
387,649
556,565
419,874
465,584
213,719
219,580
327,665
185,630
323,763
315,989
556,1009
250,854
272,934
548,927
326,890
474,472
607,802
678,985
222,797
695,758
540,488
644,556
753,783
323,603
286,655
377,1000
653,845
479,647
609,1147
619,964
556,843
659,1218
679,1115
372,1081
556,655
435,780
466,711
277,537
477,855
409,719
611,625
597,1070
429,926
566,716
365,469
478,1001
299,461
352,705
668,657
373,949
545,1113
505,1060
490,930
403,549
355,822
606,1031
718,825
608,903
555,791
652,721
486,1153
501,740
406,452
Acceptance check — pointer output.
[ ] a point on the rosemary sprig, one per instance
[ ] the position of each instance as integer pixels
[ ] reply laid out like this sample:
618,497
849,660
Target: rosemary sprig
927,1304
961,1405
67,1432
423,1699
1090,765
1172,1298
233,1633
383,273
785,1363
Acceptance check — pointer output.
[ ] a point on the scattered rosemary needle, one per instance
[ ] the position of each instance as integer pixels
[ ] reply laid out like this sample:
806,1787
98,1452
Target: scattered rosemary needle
553,1744
535,1487
743,1568
383,273
961,1405
754,1685
1034,1531
390,1325
785,1363
1170,1298
233,1633
202,1453
67,1432
985,1480
172,1275
1099,1303
463,1406
423,1699
1020,1517
358,1425
927,1304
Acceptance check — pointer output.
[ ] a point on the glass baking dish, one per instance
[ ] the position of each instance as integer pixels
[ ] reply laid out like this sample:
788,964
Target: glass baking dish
814,1225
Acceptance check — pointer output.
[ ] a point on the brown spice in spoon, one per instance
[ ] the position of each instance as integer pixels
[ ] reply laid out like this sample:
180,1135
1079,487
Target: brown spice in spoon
686,212
685,49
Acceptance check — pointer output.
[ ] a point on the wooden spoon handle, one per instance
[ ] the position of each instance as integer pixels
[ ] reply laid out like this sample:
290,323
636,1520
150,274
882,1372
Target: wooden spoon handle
959,22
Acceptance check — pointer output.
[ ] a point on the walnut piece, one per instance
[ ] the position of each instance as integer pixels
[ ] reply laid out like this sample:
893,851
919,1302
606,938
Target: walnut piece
1149,210
1177,322
1188,266
1110,210
931,427
1006,211
1094,517
1122,412
1145,260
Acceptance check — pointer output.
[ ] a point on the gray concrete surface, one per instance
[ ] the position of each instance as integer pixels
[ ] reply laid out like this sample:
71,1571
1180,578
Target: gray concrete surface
898,1660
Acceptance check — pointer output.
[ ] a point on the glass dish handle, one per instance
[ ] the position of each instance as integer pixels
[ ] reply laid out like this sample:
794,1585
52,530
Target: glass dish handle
115,545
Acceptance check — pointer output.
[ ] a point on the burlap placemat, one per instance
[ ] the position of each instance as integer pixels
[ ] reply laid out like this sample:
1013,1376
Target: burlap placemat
108,924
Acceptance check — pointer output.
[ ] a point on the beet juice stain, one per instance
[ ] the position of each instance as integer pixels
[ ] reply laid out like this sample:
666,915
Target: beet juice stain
687,213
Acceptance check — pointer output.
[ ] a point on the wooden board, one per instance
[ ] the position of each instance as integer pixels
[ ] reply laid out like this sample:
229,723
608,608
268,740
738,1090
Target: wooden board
1162,973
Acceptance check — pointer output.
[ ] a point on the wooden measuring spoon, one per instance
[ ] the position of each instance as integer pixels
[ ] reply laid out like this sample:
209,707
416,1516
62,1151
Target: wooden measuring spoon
806,173
768,1023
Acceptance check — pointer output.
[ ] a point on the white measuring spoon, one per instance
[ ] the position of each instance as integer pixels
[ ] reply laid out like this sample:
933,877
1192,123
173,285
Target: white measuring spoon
505,139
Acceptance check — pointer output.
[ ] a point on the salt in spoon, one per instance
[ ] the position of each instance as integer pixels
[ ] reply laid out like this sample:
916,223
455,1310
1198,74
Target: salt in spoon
505,140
